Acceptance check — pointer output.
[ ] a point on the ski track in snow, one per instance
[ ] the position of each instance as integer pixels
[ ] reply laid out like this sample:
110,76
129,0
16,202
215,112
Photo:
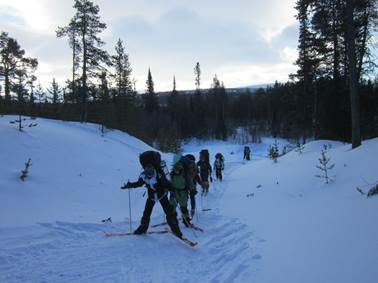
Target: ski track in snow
79,252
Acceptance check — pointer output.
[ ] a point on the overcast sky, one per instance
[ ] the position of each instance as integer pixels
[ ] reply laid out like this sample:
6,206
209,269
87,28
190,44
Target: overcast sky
244,42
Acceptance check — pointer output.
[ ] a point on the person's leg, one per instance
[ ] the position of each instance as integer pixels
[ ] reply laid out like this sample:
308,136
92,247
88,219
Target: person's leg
173,201
145,221
205,187
170,216
192,202
218,173
182,198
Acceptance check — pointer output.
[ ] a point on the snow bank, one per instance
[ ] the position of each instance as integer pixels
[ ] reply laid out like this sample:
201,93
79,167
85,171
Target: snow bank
75,173
310,231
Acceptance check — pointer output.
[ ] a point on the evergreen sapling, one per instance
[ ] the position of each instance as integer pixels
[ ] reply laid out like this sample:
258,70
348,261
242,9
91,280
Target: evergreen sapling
324,166
373,191
300,148
273,152
21,125
25,172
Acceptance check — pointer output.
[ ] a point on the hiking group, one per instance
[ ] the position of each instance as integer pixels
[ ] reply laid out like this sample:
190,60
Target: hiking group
181,184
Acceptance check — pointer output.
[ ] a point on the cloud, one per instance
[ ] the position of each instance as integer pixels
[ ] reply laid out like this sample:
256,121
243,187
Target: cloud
244,41
181,37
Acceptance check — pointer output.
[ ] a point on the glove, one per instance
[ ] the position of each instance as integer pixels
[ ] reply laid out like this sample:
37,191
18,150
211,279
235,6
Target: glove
211,179
126,186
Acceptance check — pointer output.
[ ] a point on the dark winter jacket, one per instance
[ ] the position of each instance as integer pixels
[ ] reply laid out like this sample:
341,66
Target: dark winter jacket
218,164
157,186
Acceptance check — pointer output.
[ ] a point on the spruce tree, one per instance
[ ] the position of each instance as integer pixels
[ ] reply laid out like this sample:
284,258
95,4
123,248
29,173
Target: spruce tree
55,92
150,98
122,75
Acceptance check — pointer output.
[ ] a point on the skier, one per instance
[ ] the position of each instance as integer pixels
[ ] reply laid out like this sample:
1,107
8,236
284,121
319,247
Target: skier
218,166
156,184
193,180
179,192
247,152
205,171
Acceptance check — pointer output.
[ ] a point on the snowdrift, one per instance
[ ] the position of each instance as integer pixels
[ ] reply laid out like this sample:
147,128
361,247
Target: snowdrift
75,173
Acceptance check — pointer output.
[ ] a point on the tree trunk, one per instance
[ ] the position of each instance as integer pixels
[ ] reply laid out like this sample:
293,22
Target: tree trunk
7,87
84,79
353,80
73,66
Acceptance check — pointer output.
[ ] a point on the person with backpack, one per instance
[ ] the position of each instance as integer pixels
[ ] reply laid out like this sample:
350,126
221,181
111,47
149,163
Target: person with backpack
193,180
247,153
179,193
205,171
154,179
218,166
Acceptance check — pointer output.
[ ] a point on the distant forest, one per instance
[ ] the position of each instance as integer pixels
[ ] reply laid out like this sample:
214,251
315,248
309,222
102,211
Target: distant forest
331,96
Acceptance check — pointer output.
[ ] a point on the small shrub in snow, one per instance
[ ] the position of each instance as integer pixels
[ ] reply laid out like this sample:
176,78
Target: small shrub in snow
109,219
300,148
373,191
21,125
325,167
25,172
273,152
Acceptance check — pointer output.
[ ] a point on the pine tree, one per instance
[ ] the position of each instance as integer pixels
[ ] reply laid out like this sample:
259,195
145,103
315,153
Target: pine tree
198,125
15,68
105,101
86,26
197,74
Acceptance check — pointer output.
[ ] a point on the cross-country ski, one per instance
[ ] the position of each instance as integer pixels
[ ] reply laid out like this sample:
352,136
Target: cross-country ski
115,234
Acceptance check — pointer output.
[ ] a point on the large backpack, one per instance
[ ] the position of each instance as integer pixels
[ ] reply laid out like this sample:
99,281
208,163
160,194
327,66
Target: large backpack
190,168
150,157
188,164
191,157
204,154
178,180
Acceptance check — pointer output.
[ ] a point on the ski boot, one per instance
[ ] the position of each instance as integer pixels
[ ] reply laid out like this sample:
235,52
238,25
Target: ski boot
142,229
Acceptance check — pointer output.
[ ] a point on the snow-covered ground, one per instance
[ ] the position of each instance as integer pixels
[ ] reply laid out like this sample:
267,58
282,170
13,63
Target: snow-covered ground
269,222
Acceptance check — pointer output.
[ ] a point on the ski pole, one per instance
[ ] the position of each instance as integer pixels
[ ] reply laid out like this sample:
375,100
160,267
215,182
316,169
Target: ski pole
130,209
201,201
196,214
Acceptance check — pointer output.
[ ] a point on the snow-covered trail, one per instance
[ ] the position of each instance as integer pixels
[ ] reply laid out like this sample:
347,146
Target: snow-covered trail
269,222
78,252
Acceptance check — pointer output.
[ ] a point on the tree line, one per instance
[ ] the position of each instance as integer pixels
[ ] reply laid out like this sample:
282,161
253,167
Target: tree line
330,96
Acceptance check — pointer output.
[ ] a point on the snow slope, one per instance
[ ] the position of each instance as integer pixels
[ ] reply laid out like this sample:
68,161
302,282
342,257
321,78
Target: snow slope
268,222
310,231
74,176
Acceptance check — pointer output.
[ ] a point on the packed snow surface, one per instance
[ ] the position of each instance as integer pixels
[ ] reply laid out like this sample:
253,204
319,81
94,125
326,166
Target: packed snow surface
269,222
